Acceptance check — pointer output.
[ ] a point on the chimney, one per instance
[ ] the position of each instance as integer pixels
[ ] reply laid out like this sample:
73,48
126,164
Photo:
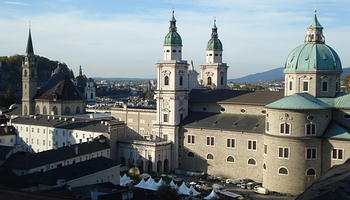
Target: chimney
76,149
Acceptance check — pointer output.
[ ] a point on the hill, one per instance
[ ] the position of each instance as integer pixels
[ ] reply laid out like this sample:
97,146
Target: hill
11,72
272,75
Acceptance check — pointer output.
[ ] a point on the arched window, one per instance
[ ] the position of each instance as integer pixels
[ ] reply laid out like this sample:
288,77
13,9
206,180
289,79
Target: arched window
181,80
222,80
285,128
77,110
166,80
25,73
210,157
264,166
54,111
37,110
25,110
44,110
67,110
190,154
251,161
310,129
310,172
230,159
209,81
283,171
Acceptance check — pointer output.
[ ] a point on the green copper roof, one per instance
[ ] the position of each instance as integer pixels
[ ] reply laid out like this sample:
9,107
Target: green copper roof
299,101
313,57
335,131
214,44
341,101
172,38
315,23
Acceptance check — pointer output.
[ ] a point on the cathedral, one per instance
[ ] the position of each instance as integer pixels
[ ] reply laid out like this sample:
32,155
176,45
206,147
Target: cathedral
58,96
284,140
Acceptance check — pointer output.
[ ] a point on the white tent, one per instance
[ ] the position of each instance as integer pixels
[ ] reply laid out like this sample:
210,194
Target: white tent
152,186
150,181
173,185
183,189
194,191
125,180
212,195
160,182
142,184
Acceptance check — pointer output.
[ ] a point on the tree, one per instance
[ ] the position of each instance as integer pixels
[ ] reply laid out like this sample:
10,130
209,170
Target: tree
165,192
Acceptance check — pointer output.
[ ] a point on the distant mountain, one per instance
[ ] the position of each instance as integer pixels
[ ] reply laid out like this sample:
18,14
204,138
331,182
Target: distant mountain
123,79
271,75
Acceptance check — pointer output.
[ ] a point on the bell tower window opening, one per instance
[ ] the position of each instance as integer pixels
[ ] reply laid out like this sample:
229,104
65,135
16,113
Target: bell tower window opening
222,80
166,80
209,81
290,85
181,80
324,86
165,118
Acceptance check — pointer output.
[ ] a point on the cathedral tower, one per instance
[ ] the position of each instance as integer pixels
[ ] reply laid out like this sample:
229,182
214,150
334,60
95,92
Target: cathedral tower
29,78
313,67
214,72
172,90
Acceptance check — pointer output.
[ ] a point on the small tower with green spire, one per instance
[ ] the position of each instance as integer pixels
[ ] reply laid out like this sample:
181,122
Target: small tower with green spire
214,72
315,32
172,42
29,78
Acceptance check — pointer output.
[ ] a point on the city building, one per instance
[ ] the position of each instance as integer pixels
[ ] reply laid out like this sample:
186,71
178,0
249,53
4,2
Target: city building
86,87
286,141
58,96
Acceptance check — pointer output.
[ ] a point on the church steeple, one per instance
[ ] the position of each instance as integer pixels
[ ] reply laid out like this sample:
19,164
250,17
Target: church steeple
172,42
315,32
80,71
30,50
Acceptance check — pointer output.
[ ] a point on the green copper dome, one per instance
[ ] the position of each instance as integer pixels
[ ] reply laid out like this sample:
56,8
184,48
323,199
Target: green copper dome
313,57
214,44
172,38
314,54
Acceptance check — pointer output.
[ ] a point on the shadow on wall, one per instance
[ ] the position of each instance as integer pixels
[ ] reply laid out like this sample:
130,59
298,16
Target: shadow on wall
188,160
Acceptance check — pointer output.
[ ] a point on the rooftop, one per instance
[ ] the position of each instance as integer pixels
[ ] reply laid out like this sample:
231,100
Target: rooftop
246,97
299,101
70,123
336,131
25,160
70,172
223,121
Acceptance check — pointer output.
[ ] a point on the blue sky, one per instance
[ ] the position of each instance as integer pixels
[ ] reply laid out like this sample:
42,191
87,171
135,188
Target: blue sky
118,38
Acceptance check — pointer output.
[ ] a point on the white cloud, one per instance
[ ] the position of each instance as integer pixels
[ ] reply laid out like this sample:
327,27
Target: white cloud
16,3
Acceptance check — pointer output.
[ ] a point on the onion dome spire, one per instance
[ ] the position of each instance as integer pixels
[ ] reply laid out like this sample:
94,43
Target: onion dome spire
214,43
315,31
29,49
80,71
172,38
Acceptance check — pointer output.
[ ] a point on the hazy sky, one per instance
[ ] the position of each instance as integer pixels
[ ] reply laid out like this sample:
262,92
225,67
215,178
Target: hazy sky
120,38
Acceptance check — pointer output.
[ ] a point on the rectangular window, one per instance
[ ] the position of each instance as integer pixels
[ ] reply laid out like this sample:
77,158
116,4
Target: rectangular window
324,86
265,149
231,143
285,128
283,152
251,144
267,126
165,137
165,117
337,154
290,85
311,153
210,141
190,139
305,86
310,129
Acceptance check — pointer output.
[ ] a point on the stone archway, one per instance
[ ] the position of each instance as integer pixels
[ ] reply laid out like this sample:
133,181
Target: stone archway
159,166
166,166
149,166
